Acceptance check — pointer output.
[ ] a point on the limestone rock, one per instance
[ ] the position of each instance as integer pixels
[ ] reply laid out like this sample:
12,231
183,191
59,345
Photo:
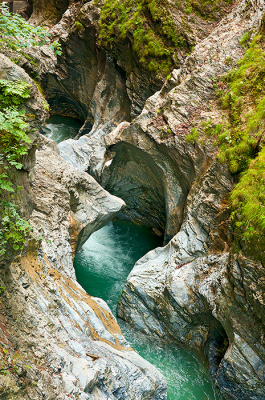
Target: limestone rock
195,289
105,86
56,340
35,114
63,341
34,106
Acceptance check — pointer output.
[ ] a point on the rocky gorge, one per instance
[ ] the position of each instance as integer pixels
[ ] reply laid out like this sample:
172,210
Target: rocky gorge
143,154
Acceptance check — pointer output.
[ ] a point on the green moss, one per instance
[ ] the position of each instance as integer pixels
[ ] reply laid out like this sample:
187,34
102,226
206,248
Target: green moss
78,25
188,9
150,27
244,99
245,39
205,9
241,142
248,204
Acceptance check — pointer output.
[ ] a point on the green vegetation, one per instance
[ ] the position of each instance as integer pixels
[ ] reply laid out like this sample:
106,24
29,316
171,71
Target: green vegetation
9,361
193,136
205,9
13,145
150,27
248,203
245,39
78,25
14,229
241,142
17,33
242,137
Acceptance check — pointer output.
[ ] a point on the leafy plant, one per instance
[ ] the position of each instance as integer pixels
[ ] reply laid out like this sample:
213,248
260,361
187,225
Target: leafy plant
57,48
13,227
16,32
13,145
193,136
14,94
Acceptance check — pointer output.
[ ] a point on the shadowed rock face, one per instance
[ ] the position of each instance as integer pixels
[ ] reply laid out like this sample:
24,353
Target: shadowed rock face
91,87
46,12
105,86
87,83
134,177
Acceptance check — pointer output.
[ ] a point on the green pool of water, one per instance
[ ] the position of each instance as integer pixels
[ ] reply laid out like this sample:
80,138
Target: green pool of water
60,128
102,267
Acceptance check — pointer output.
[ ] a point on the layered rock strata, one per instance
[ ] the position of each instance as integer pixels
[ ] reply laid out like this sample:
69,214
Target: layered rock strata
56,341
195,289
104,86
61,341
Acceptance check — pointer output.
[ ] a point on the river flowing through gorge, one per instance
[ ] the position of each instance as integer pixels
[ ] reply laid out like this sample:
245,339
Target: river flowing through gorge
102,267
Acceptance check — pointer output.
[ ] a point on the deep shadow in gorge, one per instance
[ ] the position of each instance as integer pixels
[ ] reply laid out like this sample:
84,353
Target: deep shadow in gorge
87,83
134,177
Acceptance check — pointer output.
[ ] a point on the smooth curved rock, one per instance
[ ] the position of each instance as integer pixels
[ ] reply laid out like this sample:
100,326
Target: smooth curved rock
196,289
89,205
69,342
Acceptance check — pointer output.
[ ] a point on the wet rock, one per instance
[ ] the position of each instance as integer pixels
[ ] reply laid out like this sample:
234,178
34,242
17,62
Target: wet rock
195,289
56,340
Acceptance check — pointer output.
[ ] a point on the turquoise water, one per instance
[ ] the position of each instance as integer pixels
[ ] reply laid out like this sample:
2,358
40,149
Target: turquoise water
102,267
60,128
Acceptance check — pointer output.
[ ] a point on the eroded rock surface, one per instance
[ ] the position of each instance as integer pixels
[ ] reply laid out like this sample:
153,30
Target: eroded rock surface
195,289
64,341
104,86
56,341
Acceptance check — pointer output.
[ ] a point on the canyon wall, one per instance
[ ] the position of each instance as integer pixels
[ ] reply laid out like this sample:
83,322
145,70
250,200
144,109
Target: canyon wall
197,289
137,141
56,340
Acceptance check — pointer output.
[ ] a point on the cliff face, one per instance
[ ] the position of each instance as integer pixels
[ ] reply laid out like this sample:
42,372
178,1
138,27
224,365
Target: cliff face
196,289
104,83
56,340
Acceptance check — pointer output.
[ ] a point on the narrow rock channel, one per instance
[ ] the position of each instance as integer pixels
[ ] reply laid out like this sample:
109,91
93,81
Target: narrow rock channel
102,267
